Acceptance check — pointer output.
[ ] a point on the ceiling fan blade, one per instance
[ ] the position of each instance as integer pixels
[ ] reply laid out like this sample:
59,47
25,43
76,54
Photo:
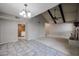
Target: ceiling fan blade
59,17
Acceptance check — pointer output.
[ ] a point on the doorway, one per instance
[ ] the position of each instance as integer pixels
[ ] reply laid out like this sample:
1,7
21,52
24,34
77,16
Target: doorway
21,31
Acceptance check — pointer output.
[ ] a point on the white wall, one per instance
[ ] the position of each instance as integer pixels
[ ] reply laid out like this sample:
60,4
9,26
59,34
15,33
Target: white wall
9,30
34,28
63,30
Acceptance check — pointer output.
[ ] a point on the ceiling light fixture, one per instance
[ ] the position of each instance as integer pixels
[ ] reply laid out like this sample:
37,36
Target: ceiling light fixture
25,13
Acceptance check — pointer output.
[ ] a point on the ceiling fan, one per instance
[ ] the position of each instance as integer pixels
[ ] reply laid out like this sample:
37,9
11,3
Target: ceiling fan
55,15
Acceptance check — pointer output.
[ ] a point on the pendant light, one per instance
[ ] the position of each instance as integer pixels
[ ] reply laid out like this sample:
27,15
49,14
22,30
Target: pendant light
25,13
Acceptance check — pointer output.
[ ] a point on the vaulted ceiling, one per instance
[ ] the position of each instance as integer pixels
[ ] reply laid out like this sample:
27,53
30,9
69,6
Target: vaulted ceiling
70,12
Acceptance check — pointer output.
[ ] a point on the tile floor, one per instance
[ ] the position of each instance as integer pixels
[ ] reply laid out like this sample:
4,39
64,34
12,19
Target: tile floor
28,48
61,45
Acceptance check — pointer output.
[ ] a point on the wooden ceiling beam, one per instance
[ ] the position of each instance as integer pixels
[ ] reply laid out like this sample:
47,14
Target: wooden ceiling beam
52,16
62,14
